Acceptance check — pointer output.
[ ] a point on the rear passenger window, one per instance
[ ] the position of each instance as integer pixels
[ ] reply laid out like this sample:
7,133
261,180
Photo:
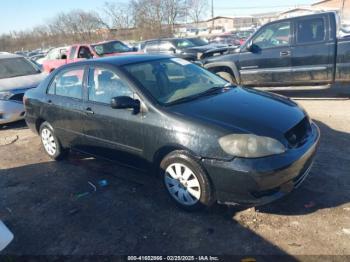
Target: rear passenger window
72,52
310,30
105,84
69,83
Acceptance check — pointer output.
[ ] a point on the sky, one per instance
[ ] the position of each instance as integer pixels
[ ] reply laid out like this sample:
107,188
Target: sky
25,14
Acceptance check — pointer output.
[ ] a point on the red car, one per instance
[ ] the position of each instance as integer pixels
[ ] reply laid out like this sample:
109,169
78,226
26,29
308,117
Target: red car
80,52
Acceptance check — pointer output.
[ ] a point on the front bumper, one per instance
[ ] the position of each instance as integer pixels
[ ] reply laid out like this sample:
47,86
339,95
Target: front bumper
259,181
11,111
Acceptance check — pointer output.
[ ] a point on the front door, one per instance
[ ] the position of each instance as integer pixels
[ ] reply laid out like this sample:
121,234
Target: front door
268,60
115,134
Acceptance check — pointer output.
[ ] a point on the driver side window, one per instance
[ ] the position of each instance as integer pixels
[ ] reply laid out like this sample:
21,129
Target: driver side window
275,35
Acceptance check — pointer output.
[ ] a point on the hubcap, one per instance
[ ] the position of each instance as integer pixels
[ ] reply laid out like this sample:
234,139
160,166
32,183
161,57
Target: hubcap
182,184
48,141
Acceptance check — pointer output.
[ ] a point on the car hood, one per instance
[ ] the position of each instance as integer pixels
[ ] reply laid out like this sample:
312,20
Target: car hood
21,82
241,110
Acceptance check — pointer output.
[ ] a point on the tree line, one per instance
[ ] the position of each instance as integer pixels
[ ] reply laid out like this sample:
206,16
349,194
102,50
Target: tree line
137,20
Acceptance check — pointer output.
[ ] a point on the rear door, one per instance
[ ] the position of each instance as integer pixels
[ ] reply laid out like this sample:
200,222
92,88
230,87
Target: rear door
268,62
112,133
313,52
65,107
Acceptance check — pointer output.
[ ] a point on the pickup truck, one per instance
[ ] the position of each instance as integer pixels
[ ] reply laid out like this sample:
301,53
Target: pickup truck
296,51
80,52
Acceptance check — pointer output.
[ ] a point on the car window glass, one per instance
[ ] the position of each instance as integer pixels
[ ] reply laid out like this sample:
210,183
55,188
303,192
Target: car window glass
68,84
165,46
105,84
84,52
151,46
310,30
72,52
273,35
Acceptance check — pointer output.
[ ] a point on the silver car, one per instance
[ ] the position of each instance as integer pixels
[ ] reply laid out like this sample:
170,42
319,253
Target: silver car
17,75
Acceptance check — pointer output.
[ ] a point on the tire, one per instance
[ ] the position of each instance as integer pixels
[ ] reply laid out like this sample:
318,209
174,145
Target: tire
227,76
186,181
50,142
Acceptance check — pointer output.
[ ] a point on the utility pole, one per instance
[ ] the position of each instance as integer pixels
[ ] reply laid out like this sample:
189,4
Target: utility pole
212,13
342,12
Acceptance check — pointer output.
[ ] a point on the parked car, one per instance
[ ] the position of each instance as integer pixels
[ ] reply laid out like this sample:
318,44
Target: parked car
226,39
87,51
17,74
208,140
191,49
296,51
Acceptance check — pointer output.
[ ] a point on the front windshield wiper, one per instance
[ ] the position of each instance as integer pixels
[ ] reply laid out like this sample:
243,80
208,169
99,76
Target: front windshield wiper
212,91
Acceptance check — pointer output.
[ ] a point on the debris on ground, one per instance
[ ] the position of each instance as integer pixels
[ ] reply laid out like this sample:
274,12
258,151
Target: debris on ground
8,140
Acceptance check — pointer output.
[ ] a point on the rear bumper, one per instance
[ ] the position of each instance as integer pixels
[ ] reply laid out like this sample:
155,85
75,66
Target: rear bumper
259,181
11,111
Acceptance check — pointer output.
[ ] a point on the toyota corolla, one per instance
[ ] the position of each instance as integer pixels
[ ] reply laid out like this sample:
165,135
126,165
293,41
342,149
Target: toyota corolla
209,141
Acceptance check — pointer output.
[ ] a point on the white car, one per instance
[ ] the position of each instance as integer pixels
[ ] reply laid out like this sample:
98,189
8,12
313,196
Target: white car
17,75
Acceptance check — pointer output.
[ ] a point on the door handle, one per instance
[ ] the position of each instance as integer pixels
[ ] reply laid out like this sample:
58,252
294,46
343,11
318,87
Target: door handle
285,53
89,111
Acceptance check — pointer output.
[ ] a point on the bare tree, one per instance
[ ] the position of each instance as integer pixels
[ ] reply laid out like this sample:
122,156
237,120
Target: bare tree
119,15
197,9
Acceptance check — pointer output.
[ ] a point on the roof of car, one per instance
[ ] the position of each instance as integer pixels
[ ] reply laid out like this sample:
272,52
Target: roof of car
124,60
6,56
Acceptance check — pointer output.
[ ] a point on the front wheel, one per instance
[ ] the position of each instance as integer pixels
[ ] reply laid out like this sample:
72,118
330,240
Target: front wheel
50,142
186,181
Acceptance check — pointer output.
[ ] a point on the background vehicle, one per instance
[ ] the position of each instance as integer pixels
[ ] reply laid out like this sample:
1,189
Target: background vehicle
17,75
74,53
226,39
296,51
191,49
209,141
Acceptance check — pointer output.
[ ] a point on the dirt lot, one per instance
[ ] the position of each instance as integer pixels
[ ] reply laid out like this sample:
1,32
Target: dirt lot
42,202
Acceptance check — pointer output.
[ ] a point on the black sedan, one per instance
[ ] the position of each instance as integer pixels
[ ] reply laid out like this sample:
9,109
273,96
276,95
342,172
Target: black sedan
209,141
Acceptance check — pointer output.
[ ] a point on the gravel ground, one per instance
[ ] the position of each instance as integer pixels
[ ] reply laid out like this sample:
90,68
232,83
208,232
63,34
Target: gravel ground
44,204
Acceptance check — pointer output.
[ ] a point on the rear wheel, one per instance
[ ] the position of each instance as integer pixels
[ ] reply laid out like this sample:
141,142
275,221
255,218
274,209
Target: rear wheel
50,142
186,181
227,76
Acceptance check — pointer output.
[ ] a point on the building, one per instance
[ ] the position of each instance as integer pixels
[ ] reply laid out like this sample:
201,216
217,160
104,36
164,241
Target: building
341,6
232,23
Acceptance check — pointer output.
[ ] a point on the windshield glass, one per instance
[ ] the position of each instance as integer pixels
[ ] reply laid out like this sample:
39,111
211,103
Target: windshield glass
13,67
110,48
172,80
198,41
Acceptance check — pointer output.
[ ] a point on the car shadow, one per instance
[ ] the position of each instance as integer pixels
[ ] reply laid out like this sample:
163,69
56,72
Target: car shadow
62,208
328,184
15,125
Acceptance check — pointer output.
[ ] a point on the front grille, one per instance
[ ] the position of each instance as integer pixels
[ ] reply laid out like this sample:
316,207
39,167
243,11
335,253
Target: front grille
17,97
298,134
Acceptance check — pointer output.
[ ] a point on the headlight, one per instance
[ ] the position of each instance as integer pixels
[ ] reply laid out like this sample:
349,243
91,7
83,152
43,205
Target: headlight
250,146
5,95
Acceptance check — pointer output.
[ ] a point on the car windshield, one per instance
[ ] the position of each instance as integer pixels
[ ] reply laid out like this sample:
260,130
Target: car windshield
174,80
110,48
198,41
14,67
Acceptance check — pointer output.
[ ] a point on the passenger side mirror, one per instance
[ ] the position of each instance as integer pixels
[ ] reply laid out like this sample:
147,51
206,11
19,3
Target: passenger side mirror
250,46
125,102
172,49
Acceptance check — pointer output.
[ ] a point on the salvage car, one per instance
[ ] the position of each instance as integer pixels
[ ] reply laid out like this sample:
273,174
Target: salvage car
304,50
208,140
17,75
191,49
80,52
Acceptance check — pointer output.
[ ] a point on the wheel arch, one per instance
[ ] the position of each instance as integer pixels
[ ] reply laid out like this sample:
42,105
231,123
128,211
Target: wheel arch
226,67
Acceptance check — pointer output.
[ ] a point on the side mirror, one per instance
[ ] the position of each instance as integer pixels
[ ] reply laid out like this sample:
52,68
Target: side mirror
172,49
63,56
250,46
125,102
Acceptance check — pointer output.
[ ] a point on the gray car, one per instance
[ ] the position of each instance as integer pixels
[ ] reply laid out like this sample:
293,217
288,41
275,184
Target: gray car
17,75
